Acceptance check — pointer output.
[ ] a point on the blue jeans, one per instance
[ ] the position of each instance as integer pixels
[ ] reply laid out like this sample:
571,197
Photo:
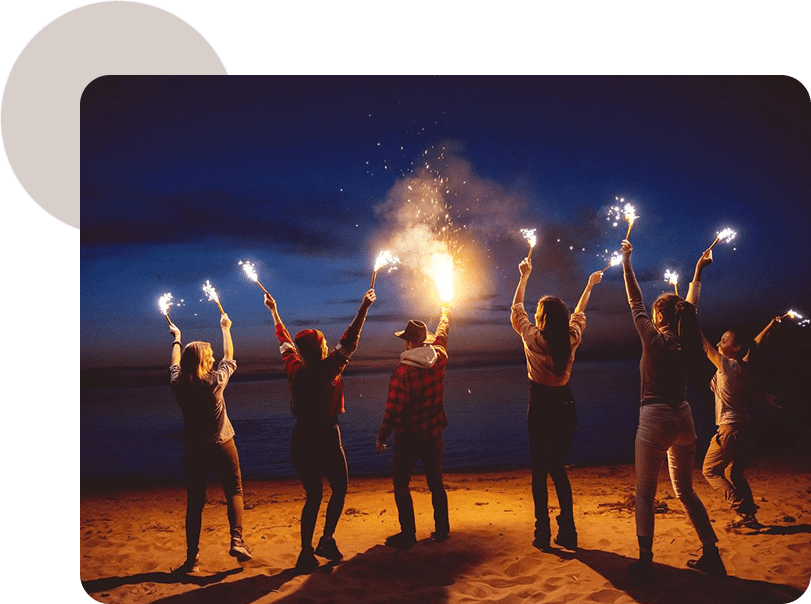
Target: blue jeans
665,432
405,456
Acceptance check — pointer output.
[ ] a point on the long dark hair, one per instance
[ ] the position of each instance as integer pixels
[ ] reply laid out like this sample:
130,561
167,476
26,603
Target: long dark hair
680,317
552,318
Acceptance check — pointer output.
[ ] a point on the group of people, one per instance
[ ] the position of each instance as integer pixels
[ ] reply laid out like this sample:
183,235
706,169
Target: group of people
414,414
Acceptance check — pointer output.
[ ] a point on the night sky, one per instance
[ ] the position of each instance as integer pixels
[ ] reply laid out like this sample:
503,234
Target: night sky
308,178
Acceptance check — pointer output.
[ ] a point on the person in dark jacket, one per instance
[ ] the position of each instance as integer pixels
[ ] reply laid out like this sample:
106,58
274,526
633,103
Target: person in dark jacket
314,376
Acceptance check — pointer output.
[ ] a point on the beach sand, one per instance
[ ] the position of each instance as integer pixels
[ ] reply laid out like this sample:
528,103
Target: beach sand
131,539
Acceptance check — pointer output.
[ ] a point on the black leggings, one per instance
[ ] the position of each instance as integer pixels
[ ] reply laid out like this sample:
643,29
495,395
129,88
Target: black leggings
198,460
317,450
551,423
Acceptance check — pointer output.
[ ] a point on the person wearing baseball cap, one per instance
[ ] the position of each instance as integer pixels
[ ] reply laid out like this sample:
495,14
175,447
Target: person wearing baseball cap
416,415
314,376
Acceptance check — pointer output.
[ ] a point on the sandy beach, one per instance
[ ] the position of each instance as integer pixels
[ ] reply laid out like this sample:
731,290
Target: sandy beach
130,540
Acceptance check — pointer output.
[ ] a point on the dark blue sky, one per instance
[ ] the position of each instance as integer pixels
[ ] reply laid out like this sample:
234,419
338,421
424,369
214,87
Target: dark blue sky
183,176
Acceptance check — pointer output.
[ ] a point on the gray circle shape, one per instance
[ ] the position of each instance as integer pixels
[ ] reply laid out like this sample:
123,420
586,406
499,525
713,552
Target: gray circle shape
40,111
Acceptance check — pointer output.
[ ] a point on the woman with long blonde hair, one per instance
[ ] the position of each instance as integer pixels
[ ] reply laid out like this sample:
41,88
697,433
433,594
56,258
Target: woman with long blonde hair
208,436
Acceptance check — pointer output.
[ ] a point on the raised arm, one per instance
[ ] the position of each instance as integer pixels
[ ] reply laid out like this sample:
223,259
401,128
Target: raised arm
694,291
767,330
227,342
349,341
442,329
525,267
712,353
594,279
176,345
290,357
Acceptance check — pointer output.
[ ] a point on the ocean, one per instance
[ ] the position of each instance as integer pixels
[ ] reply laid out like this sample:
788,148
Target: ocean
135,432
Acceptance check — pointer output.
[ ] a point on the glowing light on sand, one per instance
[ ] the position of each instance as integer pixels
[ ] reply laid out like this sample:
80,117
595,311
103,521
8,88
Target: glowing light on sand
164,303
384,258
442,271
726,236
250,272
211,294
672,278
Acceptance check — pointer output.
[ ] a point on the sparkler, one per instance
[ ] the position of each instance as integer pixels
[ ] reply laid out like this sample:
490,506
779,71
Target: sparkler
211,293
384,258
627,212
532,239
726,236
793,314
673,279
164,302
616,258
442,270
250,272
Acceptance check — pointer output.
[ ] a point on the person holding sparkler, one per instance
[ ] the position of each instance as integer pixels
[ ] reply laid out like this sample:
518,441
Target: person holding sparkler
671,340
550,346
208,436
314,376
416,414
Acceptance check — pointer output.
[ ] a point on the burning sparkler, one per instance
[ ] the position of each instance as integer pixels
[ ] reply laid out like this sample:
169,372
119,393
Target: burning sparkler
673,279
793,314
726,236
442,270
164,302
384,258
616,258
532,239
211,293
250,272
626,212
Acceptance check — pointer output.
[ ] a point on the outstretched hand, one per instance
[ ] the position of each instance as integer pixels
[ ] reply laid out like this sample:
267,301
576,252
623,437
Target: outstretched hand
270,303
595,278
225,322
626,249
175,331
705,259
369,298
525,267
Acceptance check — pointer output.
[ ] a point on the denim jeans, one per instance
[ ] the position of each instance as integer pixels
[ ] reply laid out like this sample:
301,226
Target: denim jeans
198,460
665,432
729,451
406,454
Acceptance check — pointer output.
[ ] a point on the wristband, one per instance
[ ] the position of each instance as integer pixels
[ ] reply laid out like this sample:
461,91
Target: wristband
177,342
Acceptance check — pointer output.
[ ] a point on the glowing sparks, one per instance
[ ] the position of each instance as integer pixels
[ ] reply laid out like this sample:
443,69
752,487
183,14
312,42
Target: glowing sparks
618,213
442,270
726,236
385,258
250,271
165,302
211,294
616,258
801,321
672,278
530,236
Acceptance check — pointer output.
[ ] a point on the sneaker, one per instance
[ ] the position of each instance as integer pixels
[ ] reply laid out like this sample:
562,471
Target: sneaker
306,561
328,549
191,565
239,550
744,521
401,541
641,569
440,536
709,563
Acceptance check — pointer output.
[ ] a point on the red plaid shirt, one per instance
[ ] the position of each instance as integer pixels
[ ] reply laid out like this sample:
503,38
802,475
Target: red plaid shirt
414,405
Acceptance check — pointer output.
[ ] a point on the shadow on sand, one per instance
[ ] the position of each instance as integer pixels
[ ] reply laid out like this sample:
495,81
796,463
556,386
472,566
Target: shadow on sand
110,583
671,585
420,574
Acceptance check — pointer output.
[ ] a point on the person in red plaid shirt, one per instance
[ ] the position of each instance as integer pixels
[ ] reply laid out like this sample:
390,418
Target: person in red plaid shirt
314,375
414,412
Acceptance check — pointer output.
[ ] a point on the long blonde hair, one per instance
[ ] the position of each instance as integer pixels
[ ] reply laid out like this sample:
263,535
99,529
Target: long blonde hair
196,361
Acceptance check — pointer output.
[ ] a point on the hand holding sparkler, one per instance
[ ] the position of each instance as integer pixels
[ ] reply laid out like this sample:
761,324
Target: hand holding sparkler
250,272
368,299
225,321
726,236
525,267
626,249
211,293
175,331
